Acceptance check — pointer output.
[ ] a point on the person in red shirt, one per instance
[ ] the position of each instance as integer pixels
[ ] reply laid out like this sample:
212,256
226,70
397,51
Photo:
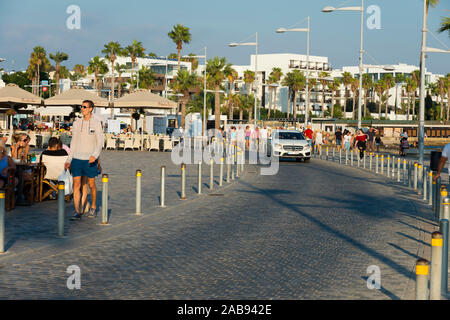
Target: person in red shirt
361,139
309,134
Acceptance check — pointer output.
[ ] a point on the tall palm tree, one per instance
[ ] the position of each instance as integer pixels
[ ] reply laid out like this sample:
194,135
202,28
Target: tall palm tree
134,50
276,73
409,88
120,68
323,79
233,101
388,81
179,35
379,88
184,83
354,86
97,66
399,78
416,82
445,25
38,62
346,81
312,82
58,57
334,86
231,75
111,51
249,79
288,81
367,83
215,70
441,87
271,81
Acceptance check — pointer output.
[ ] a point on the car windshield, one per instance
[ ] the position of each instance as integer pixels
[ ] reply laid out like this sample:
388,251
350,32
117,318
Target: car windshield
291,136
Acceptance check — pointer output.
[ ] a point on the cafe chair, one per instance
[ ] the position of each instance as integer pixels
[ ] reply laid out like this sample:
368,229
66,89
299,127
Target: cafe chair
52,167
154,144
128,144
110,143
10,195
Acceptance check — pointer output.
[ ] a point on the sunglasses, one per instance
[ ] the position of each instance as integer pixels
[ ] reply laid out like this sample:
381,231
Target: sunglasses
84,107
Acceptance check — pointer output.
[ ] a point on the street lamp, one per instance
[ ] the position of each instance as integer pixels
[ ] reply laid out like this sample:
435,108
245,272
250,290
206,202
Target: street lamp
283,30
235,44
424,50
361,9
204,95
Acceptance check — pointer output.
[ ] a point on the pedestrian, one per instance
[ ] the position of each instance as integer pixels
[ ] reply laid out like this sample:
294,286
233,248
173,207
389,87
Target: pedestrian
378,142
370,139
361,139
347,140
309,135
85,148
338,135
247,137
445,158
318,140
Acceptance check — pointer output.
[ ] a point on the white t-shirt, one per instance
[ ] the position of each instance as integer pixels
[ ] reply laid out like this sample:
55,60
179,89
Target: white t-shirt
446,154
319,138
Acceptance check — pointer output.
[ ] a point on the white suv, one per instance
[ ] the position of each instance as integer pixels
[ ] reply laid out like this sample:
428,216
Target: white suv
289,144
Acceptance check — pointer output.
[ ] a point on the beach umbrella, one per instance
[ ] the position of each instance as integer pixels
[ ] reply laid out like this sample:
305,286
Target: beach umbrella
74,97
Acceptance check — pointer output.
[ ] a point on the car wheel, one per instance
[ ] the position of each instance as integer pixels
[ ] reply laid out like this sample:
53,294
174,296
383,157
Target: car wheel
306,159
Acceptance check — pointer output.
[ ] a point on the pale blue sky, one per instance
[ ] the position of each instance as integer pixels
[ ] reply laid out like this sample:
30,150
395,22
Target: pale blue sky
27,23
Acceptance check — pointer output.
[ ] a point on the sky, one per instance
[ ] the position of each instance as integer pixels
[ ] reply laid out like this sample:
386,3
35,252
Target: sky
25,24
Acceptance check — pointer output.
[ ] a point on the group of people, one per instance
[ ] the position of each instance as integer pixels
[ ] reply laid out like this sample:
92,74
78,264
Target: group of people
241,135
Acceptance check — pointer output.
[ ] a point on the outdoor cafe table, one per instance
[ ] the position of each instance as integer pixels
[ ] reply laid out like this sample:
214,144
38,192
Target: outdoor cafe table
21,168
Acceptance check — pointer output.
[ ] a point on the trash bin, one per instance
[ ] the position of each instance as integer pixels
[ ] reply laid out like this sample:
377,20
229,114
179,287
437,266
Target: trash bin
434,160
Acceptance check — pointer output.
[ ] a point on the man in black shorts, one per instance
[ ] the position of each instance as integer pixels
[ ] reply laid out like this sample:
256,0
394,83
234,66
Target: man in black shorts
370,141
338,135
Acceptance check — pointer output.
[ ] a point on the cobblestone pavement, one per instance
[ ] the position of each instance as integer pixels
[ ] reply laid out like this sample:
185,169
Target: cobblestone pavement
309,232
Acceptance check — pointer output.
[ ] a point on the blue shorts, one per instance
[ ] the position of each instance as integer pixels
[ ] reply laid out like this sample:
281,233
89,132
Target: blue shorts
81,168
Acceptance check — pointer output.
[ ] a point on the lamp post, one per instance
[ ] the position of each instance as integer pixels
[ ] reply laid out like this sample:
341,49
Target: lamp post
204,89
234,44
361,9
283,30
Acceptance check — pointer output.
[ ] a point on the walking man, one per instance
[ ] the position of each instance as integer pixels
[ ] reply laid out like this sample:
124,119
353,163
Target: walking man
370,140
338,135
85,148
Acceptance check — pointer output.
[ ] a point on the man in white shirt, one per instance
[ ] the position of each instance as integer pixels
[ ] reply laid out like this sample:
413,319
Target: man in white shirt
444,158
85,148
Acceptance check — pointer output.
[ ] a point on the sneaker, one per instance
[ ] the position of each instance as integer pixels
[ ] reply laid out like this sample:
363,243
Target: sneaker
76,216
92,213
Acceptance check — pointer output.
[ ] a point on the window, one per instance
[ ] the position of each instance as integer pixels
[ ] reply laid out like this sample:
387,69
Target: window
290,136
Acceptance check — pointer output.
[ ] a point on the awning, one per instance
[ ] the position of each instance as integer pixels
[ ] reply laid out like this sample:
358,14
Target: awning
74,97
144,99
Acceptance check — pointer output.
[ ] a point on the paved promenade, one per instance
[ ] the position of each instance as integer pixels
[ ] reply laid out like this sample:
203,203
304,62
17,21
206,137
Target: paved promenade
309,232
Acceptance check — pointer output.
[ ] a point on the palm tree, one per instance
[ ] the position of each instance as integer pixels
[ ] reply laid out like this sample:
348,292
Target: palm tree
354,86
399,78
416,82
249,79
58,57
312,82
445,25
184,83
409,88
288,81
276,74
271,81
346,81
215,70
135,50
111,51
180,34
231,75
323,81
146,78
334,86
78,72
233,101
388,81
121,68
38,59
379,88
441,87
97,66
367,83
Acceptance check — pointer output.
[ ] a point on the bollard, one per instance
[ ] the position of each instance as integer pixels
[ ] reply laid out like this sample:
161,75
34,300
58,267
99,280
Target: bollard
199,184
334,158
221,172
388,167
163,183
419,174
211,174
370,162
422,271
138,191
410,175
228,169
393,168
183,181
364,159
436,266
444,195
105,199
2,221
431,187
351,158
415,175
405,182
61,190
237,164
425,184
382,164
443,228
346,157
398,169
376,164
327,154
446,204
340,155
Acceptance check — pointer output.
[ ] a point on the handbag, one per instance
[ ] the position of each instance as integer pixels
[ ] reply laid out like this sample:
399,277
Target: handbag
66,177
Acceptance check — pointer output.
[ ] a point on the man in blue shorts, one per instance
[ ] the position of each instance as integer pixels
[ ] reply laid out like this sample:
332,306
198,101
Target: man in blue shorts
85,148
